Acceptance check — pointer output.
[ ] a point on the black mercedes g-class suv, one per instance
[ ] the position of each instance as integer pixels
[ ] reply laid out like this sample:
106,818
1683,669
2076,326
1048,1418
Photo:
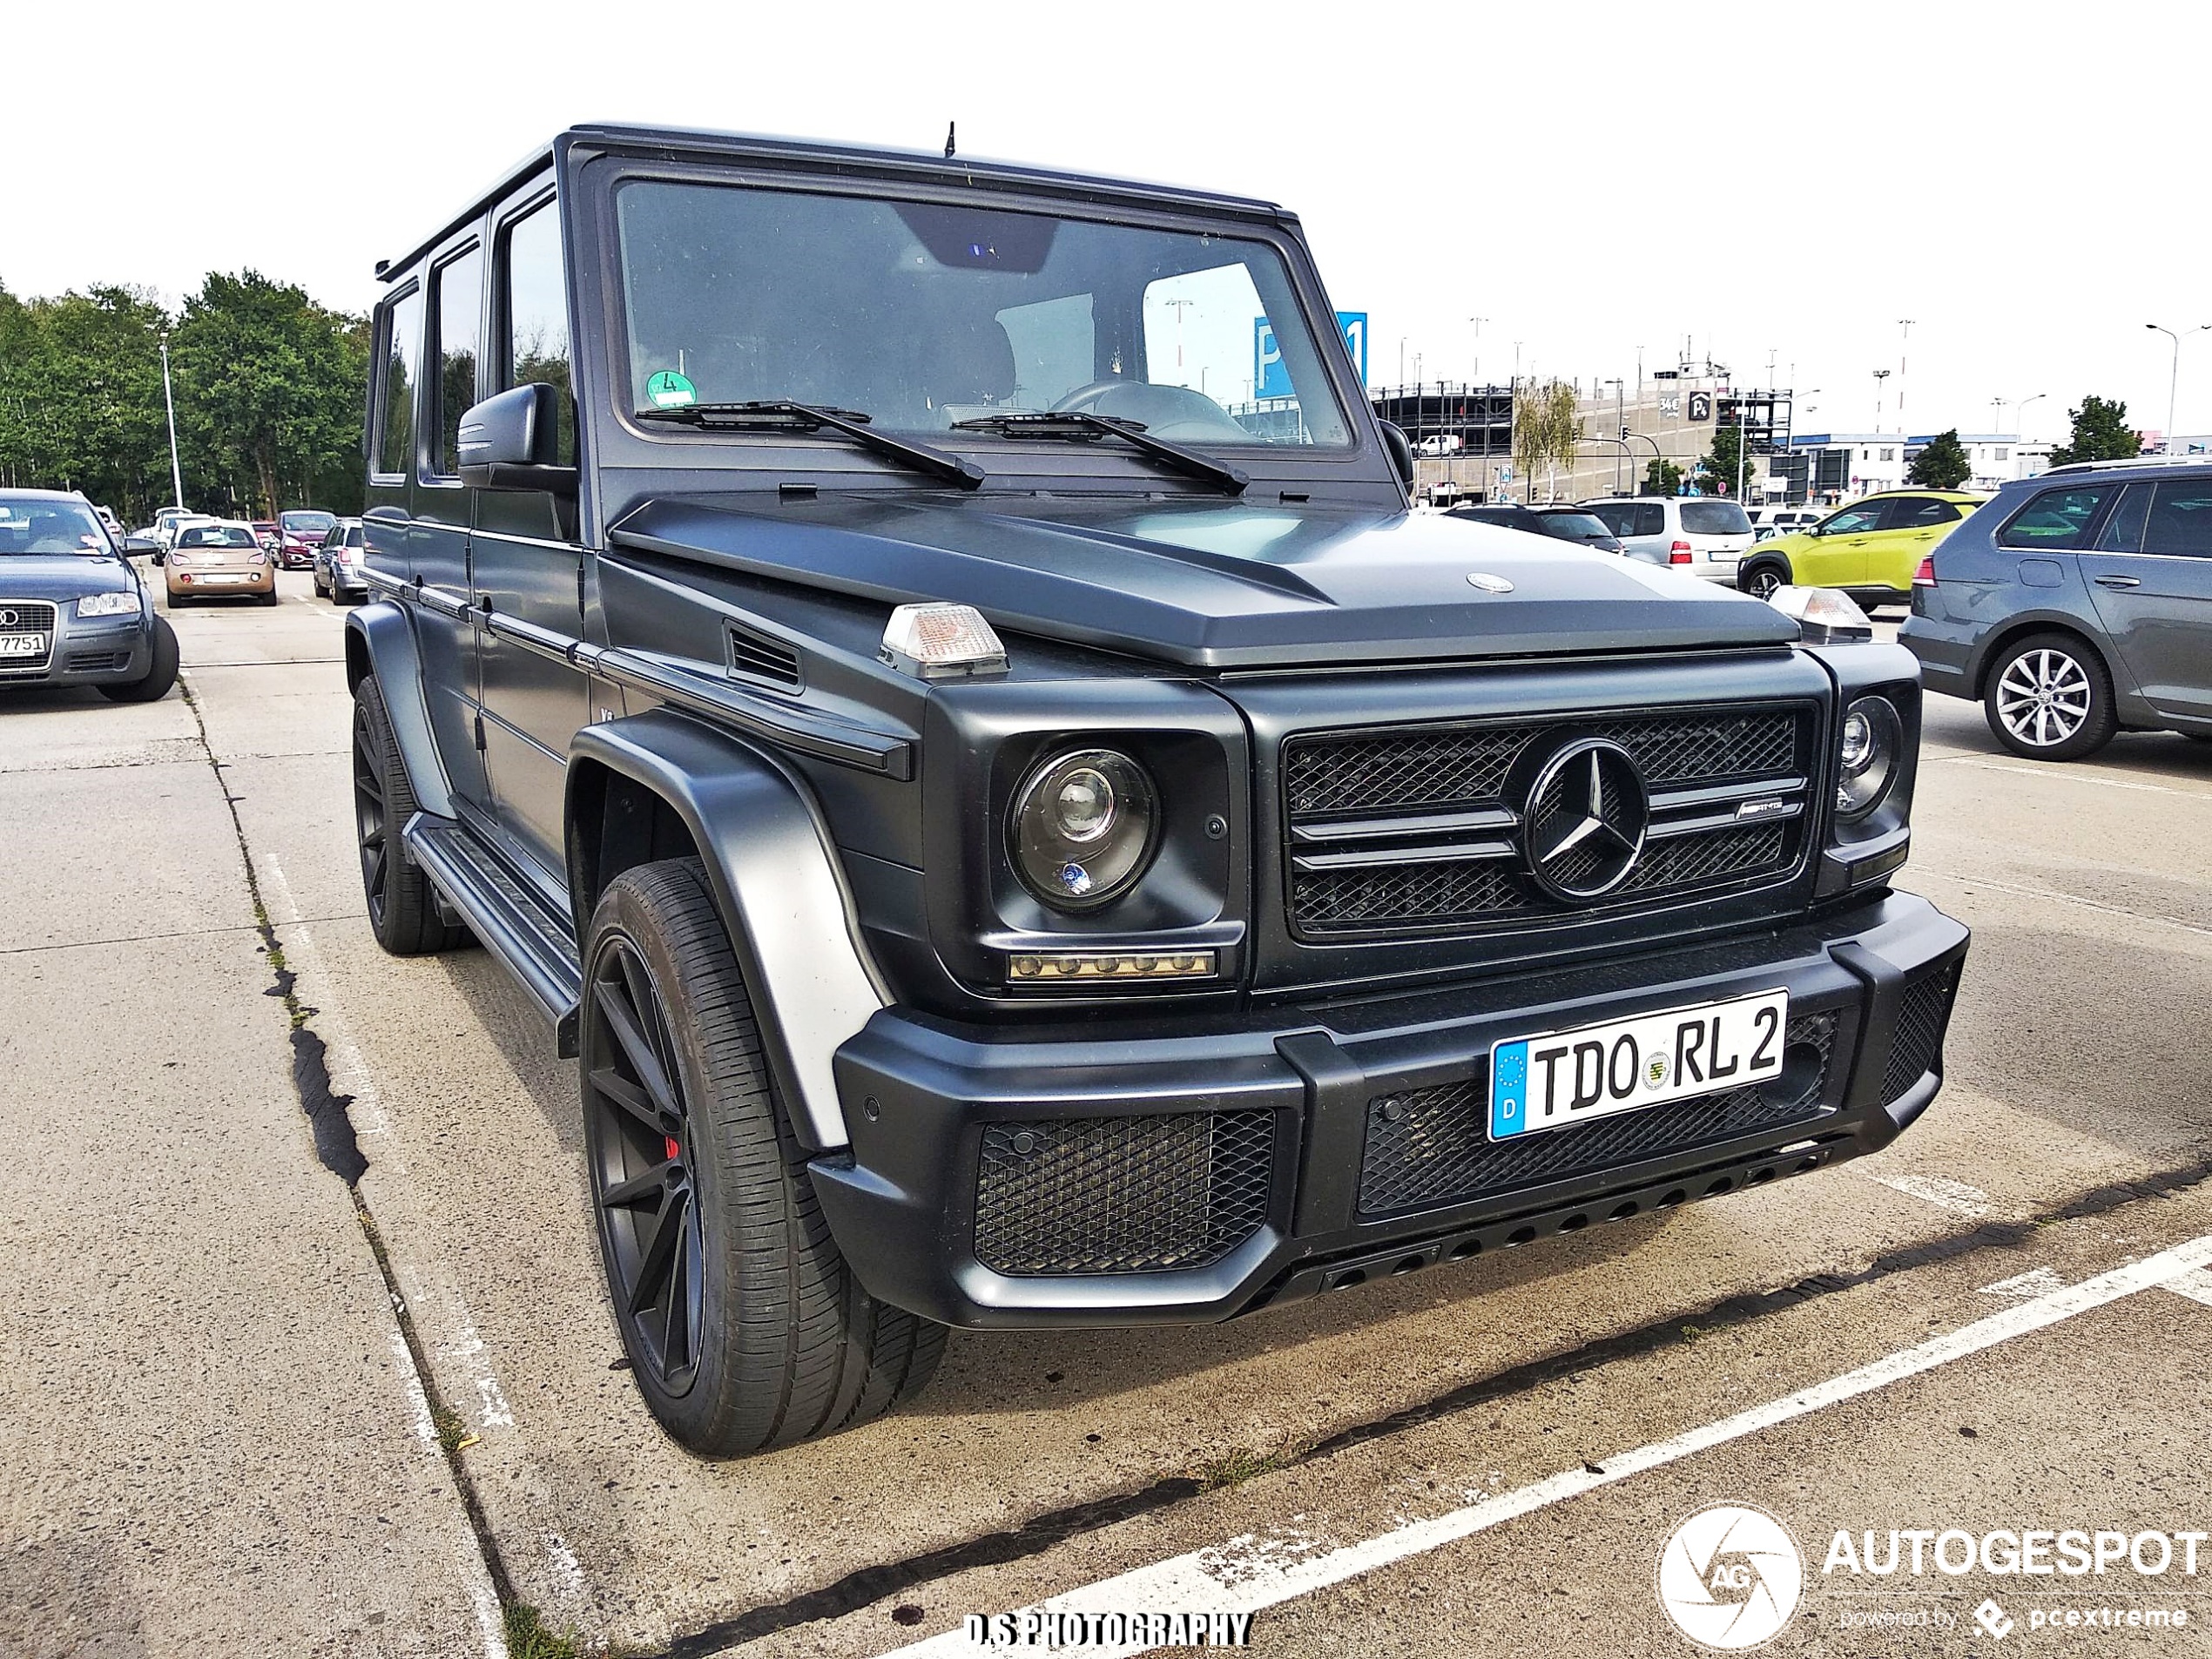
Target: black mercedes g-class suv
926,672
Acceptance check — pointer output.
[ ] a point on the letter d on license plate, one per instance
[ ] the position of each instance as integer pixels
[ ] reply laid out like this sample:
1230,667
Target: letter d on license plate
1624,1065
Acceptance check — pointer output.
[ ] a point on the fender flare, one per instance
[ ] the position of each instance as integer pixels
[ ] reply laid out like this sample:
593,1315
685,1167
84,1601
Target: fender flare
380,639
776,881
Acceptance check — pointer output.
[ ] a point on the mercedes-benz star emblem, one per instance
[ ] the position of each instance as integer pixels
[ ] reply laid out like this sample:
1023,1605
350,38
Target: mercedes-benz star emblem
1488,583
1584,824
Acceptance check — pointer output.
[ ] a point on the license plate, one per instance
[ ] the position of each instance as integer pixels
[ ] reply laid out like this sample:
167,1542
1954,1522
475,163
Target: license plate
23,644
221,575
1567,1077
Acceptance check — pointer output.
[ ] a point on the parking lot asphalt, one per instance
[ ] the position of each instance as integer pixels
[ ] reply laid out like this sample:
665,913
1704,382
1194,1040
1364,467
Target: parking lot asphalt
224,1445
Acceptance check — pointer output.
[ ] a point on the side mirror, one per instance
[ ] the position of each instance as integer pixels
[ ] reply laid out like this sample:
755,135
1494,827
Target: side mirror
134,545
1401,451
509,442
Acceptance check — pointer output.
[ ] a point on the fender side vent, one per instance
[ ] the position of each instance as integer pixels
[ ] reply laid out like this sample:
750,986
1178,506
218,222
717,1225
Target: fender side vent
761,657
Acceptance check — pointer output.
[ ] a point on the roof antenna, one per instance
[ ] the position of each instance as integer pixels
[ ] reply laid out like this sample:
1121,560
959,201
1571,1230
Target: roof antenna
948,140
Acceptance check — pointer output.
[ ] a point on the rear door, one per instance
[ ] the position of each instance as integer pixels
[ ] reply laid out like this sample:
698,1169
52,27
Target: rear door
527,559
1909,530
2150,573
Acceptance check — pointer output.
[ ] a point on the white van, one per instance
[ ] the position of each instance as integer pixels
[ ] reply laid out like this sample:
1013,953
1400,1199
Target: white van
1700,536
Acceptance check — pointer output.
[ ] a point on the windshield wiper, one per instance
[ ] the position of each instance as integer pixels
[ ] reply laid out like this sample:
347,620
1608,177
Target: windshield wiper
1083,426
777,415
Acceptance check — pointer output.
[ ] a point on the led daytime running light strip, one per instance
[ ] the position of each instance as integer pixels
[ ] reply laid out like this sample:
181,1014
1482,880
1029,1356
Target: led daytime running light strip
1061,966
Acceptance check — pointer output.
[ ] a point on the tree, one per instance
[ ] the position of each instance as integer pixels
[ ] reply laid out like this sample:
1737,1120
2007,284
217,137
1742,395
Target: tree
1721,460
80,397
1942,465
2101,433
269,390
1661,477
1546,428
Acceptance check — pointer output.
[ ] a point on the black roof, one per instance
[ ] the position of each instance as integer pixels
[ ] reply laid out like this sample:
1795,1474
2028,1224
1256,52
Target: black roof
849,160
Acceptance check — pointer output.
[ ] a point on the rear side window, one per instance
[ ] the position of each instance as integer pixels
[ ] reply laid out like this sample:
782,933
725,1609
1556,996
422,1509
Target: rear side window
1919,512
1616,516
1715,518
460,289
2056,520
402,357
1651,519
2181,520
2123,530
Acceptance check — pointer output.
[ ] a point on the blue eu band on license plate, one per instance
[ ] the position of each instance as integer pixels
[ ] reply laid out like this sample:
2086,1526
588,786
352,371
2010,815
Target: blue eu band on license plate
1563,1078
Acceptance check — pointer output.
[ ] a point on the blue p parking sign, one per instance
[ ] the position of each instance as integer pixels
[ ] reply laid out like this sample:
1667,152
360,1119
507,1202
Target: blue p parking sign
1270,379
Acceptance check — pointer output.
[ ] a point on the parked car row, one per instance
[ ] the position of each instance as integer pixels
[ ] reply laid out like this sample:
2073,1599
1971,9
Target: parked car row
74,610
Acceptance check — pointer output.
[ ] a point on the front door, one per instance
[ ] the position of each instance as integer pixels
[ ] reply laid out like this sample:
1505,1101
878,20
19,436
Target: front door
1838,555
438,536
526,559
2155,595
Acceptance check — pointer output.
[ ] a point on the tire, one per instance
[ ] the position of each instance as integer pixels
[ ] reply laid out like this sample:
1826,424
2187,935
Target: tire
745,1330
402,908
270,597
314,575
2049,697
1763,578
161,673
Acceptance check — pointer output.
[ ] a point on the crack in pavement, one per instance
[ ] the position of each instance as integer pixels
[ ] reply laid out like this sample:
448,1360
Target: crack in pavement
339,1152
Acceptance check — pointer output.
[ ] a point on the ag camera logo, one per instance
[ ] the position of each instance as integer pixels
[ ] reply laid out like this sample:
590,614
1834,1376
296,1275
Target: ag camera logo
1731,1576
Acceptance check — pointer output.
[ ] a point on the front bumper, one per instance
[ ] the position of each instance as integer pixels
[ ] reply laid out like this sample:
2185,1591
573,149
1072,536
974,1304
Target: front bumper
101,650
1002,1178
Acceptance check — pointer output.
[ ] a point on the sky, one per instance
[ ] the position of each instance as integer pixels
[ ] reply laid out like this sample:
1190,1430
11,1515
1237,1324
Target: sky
1782,183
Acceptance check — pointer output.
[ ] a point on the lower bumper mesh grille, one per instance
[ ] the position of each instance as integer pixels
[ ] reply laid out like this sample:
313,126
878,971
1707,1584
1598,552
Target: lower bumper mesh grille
1917,1048
1426,1147
1121,1195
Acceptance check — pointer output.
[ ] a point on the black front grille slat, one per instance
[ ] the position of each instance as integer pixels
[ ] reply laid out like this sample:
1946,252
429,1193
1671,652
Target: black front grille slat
1121,1195
1427,1146
1345,778
1916,1047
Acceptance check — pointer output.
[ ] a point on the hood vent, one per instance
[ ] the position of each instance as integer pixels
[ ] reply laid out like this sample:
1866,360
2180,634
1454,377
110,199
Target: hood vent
760,657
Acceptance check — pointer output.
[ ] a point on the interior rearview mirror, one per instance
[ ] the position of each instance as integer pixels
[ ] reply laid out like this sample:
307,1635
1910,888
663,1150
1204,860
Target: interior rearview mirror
510,440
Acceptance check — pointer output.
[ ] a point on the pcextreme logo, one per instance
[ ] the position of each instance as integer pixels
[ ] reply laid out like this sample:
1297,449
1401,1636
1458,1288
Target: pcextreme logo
1729,1577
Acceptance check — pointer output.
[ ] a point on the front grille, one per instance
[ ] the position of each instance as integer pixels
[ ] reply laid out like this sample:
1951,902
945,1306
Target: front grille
1427,1146
1429,790
1916,1047
31,616
1121,1195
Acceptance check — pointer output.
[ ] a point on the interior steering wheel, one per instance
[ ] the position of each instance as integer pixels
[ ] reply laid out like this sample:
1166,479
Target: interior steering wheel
1169,412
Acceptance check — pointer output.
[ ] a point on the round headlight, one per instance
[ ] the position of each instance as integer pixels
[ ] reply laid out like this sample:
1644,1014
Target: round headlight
1081,832
1872,744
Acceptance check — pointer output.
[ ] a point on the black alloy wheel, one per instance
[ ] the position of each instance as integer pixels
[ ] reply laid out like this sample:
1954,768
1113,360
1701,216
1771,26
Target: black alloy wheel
403,909
1762,581
640,1132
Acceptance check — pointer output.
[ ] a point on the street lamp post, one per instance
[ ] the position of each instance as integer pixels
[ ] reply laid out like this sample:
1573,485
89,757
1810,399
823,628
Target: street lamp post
169,401
2174,373
2020,414
1880,375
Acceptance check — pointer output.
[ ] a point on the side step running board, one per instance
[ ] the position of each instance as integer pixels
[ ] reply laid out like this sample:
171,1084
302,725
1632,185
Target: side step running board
512,923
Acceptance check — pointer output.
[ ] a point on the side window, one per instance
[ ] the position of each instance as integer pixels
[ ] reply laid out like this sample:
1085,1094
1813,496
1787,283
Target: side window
1615,515
2181,520
403,357
2123,530
1651,519
1854,520
2056,520
1055,349
1919,512
459,285
536,315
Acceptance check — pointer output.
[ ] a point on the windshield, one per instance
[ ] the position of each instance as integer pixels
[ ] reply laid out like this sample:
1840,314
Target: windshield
922,315
307,523
1713,518
30,527
215,536
1576,527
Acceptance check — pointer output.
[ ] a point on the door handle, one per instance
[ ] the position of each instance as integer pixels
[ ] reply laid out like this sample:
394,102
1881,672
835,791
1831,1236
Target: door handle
2119,582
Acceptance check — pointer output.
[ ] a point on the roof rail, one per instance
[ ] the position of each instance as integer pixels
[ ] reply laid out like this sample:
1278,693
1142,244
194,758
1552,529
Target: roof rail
2128,461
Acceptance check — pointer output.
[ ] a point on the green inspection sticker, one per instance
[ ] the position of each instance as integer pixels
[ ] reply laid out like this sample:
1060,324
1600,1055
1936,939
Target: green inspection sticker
670,390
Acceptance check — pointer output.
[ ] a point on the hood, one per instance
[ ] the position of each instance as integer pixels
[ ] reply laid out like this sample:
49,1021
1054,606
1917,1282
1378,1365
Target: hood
1216,585
60,575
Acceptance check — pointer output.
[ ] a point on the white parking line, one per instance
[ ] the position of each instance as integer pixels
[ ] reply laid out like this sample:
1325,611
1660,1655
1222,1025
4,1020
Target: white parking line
2197,1287
2031,1283
1247,1573
2079,904
1939,1190
2065,775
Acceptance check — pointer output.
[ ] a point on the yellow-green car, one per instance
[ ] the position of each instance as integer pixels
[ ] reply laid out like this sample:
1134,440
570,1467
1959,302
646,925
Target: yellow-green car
1869,548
